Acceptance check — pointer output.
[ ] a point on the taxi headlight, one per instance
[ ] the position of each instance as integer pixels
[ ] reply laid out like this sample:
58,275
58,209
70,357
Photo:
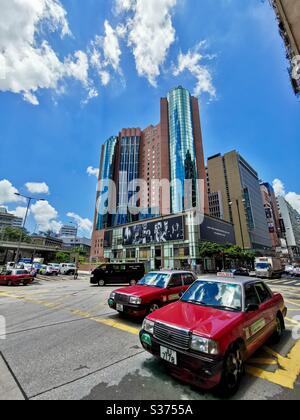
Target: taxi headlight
112,295
204,345
135,300
148,326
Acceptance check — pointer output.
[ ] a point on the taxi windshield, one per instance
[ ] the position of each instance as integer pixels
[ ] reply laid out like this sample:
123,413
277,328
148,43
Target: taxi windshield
158,280
223,296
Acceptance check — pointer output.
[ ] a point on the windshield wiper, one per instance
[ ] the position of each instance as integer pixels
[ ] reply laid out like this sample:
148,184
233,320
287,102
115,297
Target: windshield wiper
196,302
224,308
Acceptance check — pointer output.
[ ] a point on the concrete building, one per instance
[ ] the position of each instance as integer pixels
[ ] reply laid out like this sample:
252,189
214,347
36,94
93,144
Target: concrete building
67,230
84,244
50,241
290,226
288,16
272,214
236,184
171,150
9,220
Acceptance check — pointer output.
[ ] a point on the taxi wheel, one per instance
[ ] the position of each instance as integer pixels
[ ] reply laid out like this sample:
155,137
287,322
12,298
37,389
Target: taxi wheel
280,327
153,307
233,371
101,283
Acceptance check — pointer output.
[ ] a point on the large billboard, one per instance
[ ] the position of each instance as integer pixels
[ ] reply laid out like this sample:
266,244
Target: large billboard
158,232
218,231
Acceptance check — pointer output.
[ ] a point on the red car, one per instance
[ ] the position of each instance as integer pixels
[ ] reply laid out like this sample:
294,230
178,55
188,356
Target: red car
155,290
207,336
15,278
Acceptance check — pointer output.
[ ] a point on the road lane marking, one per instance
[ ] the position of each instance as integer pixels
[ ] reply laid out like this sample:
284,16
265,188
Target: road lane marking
117,325
263,361
292,303
288,372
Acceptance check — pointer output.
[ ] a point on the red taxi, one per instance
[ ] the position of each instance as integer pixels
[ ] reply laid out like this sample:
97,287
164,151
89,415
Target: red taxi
155,290
206,337
15,277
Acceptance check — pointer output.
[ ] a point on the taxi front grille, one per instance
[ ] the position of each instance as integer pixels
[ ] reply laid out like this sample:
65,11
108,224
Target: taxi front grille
121,298
172,336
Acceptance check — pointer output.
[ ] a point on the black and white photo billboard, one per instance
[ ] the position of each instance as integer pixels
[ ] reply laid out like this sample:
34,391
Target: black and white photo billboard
158,232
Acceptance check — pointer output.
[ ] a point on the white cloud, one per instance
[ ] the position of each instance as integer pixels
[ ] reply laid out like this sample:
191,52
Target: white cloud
291,197
192,62
20,212
111,47
85,225
92,171
37,187
28,62
278,187
45,216
7,193
150,33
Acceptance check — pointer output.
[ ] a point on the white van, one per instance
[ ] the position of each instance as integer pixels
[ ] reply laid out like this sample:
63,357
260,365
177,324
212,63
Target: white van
67,269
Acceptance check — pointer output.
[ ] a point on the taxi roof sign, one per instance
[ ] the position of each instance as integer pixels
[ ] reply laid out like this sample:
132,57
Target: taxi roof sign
226,275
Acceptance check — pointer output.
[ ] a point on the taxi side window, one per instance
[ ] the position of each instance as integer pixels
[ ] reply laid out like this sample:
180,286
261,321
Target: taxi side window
251,297
188,279
176,280
263,292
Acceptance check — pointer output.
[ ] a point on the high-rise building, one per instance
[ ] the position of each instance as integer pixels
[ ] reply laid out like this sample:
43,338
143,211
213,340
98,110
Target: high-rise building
9,220
169,151
272,214
185,146
290,225
238,190
288,16
67,230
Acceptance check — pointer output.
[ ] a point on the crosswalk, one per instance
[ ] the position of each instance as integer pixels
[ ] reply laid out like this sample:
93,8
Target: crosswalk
290,282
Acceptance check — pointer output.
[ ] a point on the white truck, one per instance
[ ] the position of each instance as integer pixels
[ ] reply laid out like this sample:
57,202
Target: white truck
268,267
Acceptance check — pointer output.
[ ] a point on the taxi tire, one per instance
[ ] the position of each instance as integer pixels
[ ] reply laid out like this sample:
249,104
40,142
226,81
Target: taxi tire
154,306
230,381
280,327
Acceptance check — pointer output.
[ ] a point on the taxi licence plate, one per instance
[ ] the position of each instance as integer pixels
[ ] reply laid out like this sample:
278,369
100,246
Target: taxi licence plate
120,308
168,355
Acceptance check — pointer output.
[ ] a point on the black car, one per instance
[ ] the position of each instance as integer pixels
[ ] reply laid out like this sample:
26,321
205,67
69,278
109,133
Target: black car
241,272
111,274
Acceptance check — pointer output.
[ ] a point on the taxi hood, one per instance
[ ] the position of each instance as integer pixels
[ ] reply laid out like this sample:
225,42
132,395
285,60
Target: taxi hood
140,291
200,320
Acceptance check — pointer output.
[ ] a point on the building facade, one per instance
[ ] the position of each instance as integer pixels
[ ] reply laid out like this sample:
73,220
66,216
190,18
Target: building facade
272,214
68,231
169,151
288,16
9,220
235,185
290,226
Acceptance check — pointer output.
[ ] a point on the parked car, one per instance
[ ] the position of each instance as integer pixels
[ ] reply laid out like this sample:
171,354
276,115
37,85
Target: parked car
155,290
15,277
67,269
47,270
108,274
244,272
206,337
55,268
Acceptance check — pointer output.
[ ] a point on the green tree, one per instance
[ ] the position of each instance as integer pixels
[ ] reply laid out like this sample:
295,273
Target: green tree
62,257
12,234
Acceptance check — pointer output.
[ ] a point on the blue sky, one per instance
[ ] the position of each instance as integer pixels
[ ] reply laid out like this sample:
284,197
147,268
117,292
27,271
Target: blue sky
96,66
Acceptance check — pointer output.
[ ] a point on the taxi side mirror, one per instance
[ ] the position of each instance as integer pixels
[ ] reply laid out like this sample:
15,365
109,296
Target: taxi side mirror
252,307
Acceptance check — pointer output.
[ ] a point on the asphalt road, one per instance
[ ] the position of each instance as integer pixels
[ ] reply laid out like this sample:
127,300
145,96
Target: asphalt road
64,342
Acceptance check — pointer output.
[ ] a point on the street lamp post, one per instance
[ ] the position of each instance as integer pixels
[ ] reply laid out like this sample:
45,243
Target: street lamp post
29,200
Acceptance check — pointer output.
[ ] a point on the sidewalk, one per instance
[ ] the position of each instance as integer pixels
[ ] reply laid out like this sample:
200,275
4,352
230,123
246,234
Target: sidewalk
9,389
